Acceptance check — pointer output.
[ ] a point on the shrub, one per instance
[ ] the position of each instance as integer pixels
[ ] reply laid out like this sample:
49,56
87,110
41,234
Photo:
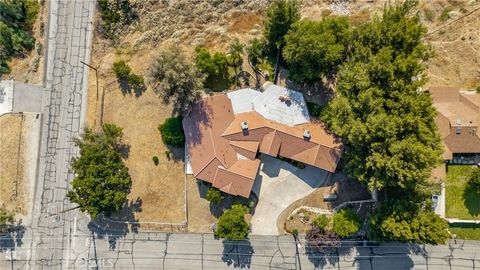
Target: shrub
214,196
155,160
444,16
135,80
317,239
474,179
115,14
6,219
121,70
478,89
232,225
345,223
172,131
321,222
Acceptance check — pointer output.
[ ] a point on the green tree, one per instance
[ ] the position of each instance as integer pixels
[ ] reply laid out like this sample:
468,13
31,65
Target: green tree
474,179
404,221
315,48
345,223
175,79
321,222
255,51
172,131
232,225
281,15
391,140
102,181
214,67
16,22
236,52
214,196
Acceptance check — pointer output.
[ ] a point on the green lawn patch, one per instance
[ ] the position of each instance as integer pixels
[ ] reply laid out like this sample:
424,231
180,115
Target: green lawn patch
466,231
461,202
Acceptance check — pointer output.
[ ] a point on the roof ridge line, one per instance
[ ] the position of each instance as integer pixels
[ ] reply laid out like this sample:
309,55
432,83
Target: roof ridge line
206,165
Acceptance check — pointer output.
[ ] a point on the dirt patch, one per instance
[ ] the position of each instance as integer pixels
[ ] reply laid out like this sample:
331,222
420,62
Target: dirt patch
18,165
200,217
242,23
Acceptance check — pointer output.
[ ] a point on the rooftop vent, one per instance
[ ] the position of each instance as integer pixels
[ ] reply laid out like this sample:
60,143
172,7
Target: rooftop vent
285,98
307,134
244,125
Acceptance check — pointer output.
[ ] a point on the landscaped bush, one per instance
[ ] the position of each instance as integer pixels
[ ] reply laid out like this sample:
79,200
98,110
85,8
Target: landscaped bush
345,223
321,222
172,131
318,239
232,225
214,196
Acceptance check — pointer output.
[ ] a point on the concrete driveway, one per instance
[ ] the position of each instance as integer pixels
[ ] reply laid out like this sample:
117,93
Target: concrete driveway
278,185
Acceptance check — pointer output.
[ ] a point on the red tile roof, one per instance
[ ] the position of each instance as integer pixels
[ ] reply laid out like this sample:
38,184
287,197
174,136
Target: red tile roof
223,154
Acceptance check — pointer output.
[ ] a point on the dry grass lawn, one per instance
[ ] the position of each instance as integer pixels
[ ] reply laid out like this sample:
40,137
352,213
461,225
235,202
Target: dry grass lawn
18,151
161,189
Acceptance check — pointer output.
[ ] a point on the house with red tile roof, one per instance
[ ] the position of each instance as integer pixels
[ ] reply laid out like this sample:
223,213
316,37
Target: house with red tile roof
225,134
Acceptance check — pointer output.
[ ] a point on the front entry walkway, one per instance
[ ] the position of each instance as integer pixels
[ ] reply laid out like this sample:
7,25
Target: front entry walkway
279,184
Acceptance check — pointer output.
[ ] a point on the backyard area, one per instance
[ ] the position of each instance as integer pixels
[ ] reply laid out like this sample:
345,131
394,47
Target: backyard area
461,202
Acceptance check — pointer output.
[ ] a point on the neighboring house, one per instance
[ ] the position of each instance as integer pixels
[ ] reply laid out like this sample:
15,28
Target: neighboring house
458,119
224,134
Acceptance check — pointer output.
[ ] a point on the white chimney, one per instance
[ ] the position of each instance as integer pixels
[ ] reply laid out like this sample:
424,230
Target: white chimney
244,125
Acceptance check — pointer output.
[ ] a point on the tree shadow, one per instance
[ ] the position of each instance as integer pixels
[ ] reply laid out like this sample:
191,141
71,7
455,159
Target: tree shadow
124,150
198,116
12,237
175,153
471,199
128,89
237,253
326,256
118,225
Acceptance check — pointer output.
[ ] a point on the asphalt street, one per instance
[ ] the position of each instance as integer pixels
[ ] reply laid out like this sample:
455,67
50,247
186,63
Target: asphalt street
48,239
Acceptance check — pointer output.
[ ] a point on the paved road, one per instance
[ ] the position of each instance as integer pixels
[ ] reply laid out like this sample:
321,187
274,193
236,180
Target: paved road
202,251
48,238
